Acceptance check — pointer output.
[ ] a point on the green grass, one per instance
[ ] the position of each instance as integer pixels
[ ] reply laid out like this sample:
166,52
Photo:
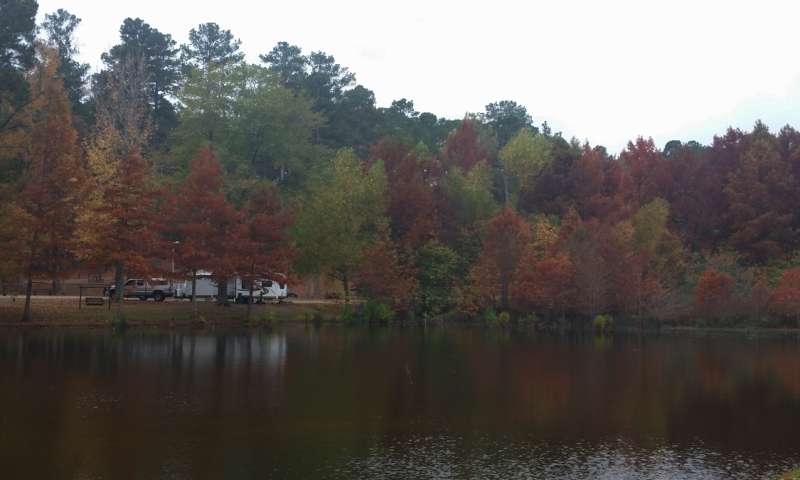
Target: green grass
793,475
65,312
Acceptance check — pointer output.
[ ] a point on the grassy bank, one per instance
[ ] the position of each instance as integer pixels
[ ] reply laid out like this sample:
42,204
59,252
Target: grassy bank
64,312
793,475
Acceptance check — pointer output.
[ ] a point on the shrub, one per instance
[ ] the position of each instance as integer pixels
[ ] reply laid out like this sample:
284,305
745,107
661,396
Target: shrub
377,312
348,315
603,323
504,319
119,322
531,320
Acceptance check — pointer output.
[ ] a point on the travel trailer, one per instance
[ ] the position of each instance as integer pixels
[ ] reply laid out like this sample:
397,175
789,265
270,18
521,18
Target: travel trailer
238,289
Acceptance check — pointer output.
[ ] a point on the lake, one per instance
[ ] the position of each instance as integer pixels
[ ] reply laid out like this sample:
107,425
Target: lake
396,403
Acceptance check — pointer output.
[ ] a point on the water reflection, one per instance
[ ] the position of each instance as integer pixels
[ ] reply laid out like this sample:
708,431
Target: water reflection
395,403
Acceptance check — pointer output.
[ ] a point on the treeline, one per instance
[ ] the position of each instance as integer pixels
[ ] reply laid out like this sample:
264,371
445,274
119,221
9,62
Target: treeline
191,157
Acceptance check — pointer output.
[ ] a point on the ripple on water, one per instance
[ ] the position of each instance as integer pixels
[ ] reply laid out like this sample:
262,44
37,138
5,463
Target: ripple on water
444,457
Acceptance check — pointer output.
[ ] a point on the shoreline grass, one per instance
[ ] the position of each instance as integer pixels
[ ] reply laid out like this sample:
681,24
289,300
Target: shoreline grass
793,475
64,312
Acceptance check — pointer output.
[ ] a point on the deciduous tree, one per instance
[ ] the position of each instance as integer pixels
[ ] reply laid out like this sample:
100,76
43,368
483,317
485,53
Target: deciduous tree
506,239
714,294
54,178
786,297
207,227
546,283
383,276
343,214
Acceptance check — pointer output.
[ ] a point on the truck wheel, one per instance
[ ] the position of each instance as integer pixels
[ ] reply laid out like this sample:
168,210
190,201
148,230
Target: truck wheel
158,296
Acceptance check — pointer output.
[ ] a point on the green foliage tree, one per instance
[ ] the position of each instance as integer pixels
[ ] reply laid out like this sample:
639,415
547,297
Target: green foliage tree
17,54
469,196
437,267
210,46
523,158
273,129
289,64
650,225
159,54
342,215
60,29
259,126
507,118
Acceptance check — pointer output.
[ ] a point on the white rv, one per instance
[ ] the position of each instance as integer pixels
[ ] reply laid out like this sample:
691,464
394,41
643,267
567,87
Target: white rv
238,289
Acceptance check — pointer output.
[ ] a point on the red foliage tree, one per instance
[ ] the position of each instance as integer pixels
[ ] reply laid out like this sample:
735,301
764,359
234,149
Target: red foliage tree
786,297
594,183
544,284
207,227
121,229
412,204
762,195
637,288
264,247
646,174
506,238
384,277
48,203
714,293
463,148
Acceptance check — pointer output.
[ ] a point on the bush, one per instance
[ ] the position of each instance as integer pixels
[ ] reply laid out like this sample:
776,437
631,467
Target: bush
530,320
377,312
370,312
603,323
490,316
119,322
348,315
503,319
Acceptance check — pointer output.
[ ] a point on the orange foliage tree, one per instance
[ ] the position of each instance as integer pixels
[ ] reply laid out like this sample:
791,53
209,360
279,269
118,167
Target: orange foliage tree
48,203
207,227
463,148
384,277
264,245
507,237
119,226
714,293
412,205
546,283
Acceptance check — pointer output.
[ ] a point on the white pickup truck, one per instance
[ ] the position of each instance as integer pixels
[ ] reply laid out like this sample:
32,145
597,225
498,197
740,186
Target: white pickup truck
156,288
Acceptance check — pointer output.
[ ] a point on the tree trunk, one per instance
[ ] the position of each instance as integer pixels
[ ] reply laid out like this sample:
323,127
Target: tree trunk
222,291
119,285
26,312
505,188
194,294
504,293
346,287
250,298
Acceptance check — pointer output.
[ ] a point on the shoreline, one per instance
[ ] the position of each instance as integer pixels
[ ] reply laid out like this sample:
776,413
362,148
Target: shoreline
63,312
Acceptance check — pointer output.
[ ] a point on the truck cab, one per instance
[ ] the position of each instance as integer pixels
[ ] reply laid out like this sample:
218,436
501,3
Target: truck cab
156,288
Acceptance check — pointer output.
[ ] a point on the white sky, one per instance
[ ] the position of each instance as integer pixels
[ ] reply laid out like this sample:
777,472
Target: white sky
606,71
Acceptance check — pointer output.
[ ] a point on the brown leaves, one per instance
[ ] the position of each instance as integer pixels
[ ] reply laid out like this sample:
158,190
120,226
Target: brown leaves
714,294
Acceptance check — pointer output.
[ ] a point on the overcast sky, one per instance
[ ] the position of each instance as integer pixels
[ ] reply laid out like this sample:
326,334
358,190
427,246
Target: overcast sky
603,71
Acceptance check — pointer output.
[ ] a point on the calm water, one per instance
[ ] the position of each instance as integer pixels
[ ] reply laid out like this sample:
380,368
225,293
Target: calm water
395,403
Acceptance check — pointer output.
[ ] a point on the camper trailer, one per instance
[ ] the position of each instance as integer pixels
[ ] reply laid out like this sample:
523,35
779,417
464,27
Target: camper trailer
238,289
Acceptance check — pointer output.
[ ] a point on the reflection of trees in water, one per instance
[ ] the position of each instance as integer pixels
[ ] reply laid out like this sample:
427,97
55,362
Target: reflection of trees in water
356,396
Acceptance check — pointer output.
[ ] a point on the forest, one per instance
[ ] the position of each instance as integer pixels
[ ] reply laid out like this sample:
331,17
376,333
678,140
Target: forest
192,155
